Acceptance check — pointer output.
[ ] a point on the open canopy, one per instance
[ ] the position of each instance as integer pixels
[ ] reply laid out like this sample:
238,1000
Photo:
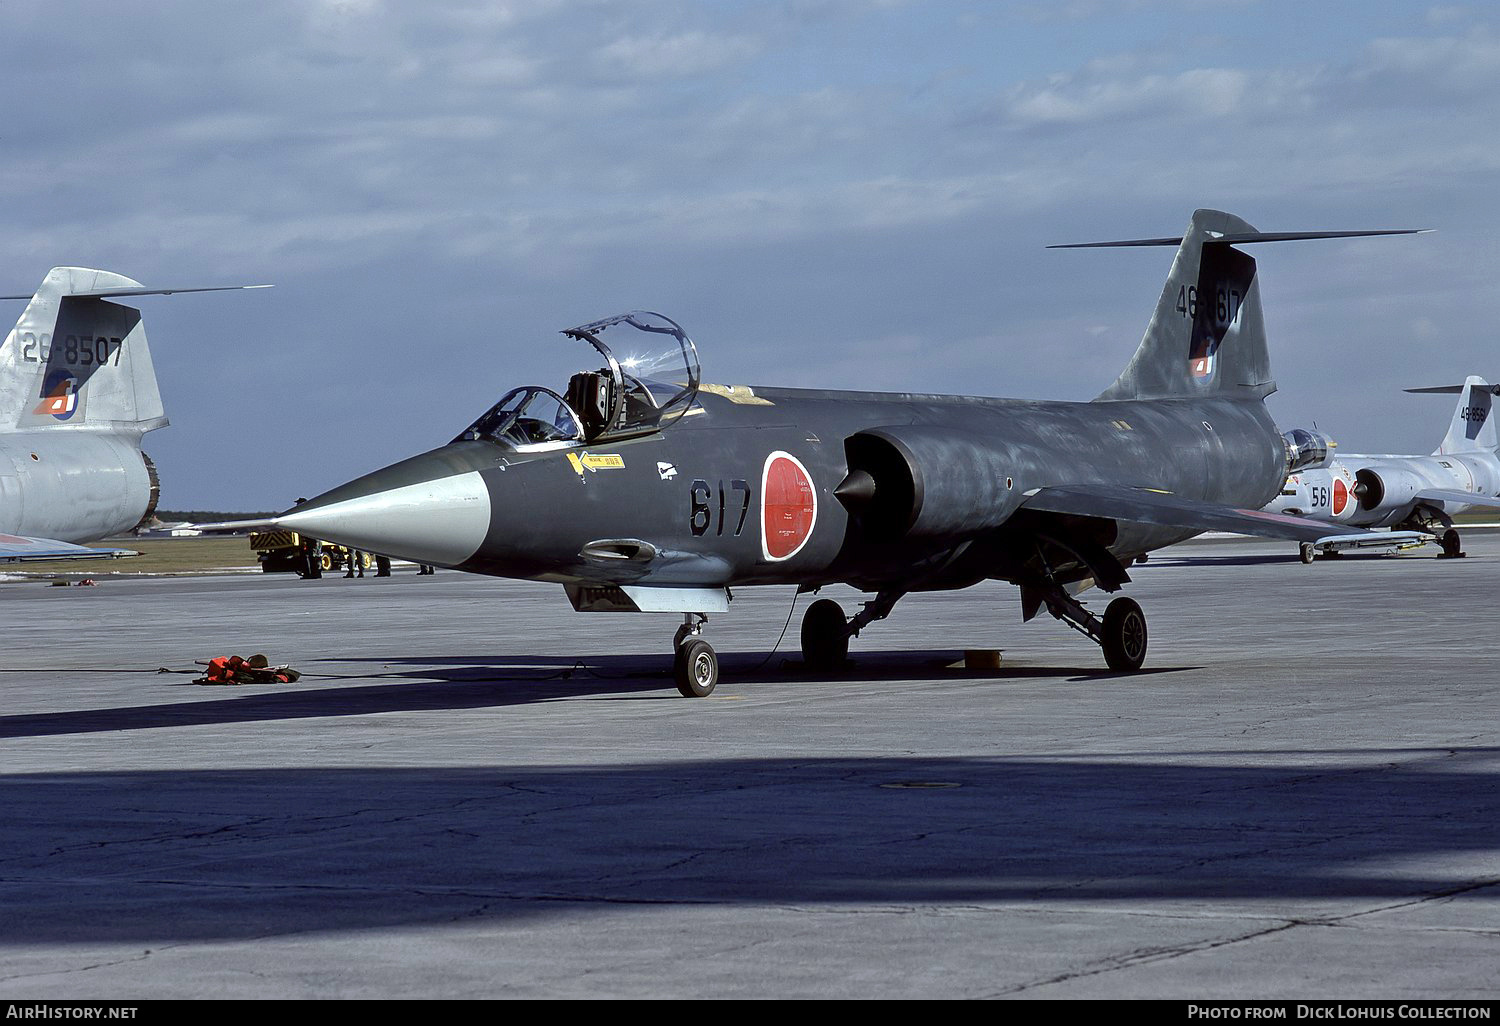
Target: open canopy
647,378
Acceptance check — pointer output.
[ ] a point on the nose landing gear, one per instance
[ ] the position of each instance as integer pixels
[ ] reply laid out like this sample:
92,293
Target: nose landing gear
695,664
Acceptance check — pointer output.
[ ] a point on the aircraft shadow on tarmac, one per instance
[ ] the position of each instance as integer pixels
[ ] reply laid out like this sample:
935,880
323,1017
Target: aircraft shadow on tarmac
174,855
496,682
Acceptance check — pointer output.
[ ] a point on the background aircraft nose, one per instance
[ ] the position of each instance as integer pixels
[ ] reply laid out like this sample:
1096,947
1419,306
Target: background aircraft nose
421,509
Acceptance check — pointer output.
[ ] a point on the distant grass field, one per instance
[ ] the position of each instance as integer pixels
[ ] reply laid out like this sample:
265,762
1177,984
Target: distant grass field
157,556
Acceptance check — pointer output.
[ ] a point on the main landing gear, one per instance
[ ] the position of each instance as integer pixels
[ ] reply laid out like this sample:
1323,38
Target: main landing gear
695,664
826,634
1452,545
1440,526
1121,634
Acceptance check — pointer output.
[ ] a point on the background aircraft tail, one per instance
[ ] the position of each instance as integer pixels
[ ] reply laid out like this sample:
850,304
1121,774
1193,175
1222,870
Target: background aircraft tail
1207,336
1472,428
75,360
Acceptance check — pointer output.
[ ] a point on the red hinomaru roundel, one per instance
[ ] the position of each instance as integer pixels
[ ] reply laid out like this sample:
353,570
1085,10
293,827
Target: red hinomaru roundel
1340,496
788,507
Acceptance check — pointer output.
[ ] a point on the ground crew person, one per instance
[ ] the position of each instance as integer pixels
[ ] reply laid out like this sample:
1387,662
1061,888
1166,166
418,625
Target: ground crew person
312,554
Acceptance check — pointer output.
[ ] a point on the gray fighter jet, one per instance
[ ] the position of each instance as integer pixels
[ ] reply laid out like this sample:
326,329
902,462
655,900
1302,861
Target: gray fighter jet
1415,495
79,393
639,488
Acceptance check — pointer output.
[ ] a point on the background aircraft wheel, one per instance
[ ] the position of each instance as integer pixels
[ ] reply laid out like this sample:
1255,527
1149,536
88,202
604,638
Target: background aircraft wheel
696,669
1452,546
825,645
1306,552
1124,637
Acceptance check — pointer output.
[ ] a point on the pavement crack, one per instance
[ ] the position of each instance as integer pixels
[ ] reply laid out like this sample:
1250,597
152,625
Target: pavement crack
1146,956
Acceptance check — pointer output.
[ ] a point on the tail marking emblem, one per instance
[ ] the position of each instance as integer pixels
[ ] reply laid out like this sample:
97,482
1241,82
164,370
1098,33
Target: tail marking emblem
59,395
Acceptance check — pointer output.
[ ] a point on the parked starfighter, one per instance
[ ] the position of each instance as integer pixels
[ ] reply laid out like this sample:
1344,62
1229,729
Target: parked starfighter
79,392
1406,493
639,488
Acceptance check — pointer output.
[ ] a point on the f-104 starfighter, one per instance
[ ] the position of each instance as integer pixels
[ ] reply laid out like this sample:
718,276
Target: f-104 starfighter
637,487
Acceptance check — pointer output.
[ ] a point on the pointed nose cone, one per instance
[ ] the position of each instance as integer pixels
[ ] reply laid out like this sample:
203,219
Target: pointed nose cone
429,509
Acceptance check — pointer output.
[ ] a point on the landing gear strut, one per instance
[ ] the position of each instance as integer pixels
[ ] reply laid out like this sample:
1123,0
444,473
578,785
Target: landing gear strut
826,634
695,665
1122,632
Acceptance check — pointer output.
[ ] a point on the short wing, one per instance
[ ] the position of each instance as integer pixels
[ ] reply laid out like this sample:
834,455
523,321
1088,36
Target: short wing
1148,506
15,548
1459,498
234,526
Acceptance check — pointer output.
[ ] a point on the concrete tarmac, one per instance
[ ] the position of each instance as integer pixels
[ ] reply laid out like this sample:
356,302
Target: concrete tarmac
475,792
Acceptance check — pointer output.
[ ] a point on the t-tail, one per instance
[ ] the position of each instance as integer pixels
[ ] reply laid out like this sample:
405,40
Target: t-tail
77,361
77,393
1207,336
1472,428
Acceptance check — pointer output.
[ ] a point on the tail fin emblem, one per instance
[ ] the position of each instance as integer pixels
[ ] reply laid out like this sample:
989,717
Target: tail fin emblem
60,395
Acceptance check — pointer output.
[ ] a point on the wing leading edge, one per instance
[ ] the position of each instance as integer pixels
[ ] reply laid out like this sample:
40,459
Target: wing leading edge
15,548
1164,509
1458,498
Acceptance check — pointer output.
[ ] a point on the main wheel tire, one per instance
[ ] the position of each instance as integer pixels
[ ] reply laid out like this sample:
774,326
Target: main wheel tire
1306,552
825,644
1124,638
696,669
1452,544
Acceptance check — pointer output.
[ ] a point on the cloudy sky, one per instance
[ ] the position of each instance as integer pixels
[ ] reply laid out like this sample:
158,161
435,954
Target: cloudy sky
843,193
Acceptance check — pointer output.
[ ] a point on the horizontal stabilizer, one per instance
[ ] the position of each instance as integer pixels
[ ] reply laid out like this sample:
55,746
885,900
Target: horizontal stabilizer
1454,389
1149,506
116,293
235,526
1235,238
15,548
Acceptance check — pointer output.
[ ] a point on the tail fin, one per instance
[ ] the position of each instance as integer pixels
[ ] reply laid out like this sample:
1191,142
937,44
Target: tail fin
1472,428
75,360
1207,336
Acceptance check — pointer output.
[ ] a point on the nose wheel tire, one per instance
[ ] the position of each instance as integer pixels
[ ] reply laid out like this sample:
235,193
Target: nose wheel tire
1306,552
696,669
825,636
1124,636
